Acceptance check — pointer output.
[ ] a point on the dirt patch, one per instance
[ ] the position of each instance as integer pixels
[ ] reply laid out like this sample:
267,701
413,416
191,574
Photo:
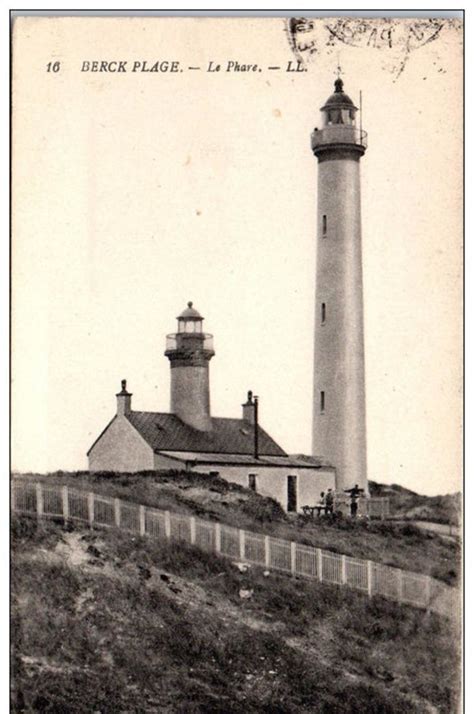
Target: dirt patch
73,549
45,665
89,552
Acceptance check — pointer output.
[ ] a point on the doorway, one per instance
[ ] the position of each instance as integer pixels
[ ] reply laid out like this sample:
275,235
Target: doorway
291,490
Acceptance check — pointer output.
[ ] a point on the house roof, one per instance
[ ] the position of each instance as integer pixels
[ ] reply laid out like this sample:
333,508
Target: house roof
166,432
307,462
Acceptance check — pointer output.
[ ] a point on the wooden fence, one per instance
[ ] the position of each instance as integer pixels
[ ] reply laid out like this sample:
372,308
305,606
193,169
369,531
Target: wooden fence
366,576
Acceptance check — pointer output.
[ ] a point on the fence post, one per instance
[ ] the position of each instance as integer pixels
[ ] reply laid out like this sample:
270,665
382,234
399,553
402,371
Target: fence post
192,529
39,501
65,499
90,507
293,557
320,564
370,578
141,513
218,537
267,551
167,524
428,591
400,584
117,511
343,570
241,544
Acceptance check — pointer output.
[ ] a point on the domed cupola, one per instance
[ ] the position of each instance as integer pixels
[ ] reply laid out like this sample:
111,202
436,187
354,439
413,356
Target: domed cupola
339,108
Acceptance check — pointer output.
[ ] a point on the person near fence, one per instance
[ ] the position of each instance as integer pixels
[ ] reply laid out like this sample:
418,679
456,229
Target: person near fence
354,494
329,502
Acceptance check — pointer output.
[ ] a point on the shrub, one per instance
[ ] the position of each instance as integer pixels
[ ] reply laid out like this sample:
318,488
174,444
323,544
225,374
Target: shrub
262,510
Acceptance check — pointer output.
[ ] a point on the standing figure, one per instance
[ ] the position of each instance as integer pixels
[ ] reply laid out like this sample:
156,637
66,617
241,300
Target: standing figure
329,502
321,506
354,495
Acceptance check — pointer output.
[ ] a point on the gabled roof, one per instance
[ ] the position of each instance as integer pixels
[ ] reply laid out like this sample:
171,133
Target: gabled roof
166,432
102,434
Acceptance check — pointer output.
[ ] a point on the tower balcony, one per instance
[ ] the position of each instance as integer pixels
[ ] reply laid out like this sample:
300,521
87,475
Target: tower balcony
338,135
190,340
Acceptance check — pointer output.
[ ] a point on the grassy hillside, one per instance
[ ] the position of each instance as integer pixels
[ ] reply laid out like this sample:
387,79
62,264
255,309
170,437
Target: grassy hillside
409,505
400,545
103,622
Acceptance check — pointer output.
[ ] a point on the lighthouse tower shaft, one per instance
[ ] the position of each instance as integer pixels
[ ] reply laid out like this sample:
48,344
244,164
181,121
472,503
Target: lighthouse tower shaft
339,421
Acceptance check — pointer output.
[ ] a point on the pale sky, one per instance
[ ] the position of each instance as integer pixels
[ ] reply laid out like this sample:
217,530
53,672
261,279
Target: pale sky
136,192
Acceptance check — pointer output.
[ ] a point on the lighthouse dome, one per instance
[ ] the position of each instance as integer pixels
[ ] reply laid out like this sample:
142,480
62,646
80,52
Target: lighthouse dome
339,99
190,313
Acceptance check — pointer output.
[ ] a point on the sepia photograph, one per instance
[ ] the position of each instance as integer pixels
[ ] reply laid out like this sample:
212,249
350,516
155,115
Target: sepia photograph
236,363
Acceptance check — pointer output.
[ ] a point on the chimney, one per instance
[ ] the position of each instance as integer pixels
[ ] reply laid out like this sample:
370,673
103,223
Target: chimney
124,400
250,415
248,409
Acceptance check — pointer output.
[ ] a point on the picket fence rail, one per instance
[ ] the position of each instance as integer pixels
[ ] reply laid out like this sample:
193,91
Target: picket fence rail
366,576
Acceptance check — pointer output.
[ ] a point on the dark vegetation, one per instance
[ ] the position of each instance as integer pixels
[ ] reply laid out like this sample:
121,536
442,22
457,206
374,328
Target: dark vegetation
409,505
402,544
103,622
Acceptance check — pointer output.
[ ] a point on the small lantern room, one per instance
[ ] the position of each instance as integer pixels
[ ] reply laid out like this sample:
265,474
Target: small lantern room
339,108
190,321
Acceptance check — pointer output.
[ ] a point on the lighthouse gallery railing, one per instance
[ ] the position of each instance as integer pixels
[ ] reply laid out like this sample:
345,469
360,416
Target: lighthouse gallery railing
207,342
338,134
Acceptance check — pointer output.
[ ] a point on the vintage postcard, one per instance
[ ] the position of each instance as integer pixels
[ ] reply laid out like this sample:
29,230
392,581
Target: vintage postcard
237,381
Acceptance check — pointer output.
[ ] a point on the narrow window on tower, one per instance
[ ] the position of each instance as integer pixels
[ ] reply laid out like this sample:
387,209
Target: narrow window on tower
323,313
322,402
325,225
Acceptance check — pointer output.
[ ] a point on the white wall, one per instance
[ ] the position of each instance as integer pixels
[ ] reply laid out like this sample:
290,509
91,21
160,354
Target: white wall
121,448
339,432
272,481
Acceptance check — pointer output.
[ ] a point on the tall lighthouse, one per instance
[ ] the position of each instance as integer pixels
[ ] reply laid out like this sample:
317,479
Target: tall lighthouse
339,429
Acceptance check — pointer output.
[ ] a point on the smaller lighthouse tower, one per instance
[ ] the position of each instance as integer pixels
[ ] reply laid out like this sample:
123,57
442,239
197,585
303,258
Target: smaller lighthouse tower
189,352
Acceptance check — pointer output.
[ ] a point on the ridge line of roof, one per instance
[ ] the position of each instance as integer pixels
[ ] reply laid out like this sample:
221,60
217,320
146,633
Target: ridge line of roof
137,411
160,450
